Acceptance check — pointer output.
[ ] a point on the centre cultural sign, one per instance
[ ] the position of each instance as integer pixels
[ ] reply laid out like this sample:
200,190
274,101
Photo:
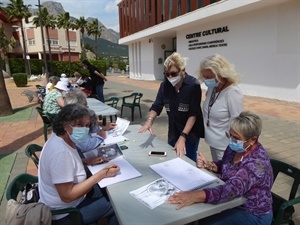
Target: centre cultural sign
195,41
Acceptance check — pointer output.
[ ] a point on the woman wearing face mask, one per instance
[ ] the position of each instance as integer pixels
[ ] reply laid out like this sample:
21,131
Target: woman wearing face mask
180,94
62,178
224,101
246,171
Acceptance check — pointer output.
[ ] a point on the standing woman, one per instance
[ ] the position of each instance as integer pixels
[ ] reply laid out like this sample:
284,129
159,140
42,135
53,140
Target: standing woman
224,101
97,77
180,94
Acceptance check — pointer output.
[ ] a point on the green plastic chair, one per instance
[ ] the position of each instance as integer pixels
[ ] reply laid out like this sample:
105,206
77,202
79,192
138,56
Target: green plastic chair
16,187
31,151
113,102
132,101
46,120
283,209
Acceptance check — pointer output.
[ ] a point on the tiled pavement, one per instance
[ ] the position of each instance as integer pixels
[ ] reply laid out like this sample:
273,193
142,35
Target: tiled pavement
280,136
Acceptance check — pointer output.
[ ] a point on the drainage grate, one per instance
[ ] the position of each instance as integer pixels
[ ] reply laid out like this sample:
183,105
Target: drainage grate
147,101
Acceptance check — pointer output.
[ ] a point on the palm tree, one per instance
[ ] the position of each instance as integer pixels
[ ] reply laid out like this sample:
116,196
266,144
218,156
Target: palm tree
48,21
17,10
94,29
81,24
63,21
5,45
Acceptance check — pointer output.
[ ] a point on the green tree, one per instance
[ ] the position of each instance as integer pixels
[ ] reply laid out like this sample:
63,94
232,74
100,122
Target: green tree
94,29
81,24
5,45
48,21
63,21
17,10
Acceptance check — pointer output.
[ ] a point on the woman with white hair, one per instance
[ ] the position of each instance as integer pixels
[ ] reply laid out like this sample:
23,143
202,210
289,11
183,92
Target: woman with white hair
224,101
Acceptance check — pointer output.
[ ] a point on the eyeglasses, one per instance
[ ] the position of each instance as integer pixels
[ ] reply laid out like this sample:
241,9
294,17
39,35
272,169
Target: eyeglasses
172,74
228,135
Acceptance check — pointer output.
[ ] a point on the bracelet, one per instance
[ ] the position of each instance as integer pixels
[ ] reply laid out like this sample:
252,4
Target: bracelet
182,134
150,119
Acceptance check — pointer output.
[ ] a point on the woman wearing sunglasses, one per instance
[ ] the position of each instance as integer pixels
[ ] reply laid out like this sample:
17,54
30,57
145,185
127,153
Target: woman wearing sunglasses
180,94
246,171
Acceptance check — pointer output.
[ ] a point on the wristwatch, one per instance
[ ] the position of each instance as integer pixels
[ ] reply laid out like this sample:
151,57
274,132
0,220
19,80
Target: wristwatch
183,135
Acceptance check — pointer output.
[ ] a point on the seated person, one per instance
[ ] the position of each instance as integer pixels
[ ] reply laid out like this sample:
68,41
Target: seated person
87,85
61,175
54,81
97,133
53,101
246,170
49,84
78,78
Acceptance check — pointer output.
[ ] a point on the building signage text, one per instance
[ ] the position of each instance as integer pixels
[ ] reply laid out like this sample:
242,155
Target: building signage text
196,44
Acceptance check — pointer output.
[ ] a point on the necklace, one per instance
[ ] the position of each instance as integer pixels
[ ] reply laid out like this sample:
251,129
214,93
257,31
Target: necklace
212,100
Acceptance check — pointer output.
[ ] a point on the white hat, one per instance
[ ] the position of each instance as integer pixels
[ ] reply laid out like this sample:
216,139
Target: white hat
64,79
62,86
63,75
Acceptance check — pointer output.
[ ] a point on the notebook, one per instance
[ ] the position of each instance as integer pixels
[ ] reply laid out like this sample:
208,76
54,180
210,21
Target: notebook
183,175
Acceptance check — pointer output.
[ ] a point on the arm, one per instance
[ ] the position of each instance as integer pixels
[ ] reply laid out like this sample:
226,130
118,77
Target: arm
148,124
180,144
60,102
155,110
100,75
183,199
70,191
194,111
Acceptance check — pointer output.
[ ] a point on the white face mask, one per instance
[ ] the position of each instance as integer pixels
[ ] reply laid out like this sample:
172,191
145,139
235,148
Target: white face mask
174,80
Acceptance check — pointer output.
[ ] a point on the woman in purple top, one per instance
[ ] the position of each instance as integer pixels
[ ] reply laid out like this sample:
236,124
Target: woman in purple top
246,170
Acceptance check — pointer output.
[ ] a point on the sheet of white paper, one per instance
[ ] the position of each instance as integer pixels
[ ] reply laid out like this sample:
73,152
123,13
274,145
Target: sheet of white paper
121,127
127,171
112,140
155,193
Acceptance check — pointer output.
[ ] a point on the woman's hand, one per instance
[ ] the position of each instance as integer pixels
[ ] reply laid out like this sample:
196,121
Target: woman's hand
147,126
180,146
201,161
111,170
182,199
109,126
94,160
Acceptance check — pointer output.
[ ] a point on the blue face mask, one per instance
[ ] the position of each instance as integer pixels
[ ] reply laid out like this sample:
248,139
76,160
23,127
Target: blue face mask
79,134
211,83
237,146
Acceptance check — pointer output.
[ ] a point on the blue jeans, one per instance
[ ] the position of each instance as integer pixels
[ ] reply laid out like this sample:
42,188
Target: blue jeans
92,209
237,216
99,90
191,148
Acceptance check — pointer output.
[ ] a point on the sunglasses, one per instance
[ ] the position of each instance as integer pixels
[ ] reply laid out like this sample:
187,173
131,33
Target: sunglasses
172,74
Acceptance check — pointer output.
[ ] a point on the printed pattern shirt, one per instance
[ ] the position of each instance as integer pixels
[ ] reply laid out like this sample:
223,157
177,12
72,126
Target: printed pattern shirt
251,178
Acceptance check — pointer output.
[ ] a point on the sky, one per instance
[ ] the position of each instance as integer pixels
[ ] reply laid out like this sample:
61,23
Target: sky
105,10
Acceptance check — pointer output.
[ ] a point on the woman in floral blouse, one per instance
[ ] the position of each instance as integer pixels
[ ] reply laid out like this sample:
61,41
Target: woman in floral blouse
246,170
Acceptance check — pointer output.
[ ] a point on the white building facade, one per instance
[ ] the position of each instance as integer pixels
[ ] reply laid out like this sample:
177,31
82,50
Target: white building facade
260,37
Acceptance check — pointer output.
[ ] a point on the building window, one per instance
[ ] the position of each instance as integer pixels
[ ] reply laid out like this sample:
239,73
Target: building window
73,43
31,42
53,41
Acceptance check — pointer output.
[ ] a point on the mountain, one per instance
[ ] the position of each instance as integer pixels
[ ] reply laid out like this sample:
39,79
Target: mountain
107,44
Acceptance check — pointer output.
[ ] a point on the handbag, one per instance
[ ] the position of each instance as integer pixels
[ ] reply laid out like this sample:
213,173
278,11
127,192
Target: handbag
30,193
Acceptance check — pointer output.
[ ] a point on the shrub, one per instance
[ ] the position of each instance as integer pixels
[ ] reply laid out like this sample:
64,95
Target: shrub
20,79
